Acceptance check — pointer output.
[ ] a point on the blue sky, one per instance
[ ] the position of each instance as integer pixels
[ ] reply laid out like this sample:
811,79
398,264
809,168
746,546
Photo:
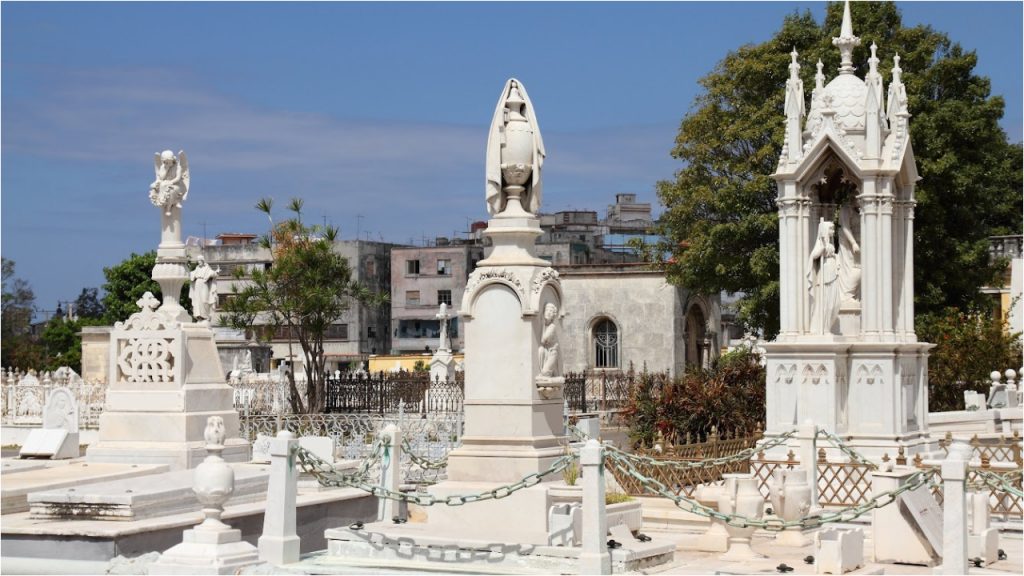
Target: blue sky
376,110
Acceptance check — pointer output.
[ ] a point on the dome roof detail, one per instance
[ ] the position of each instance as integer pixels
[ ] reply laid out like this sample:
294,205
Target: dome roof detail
849,94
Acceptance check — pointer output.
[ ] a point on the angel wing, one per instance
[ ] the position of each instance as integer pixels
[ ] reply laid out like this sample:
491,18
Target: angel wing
186,176
156,165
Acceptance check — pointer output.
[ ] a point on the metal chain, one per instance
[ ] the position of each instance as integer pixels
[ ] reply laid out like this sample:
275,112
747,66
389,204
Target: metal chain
848,450
916,480
999,482
422,462
326,475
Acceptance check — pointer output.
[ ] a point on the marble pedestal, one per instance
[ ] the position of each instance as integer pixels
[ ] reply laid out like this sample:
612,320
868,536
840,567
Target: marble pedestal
512,429
871,394
207,552
165,381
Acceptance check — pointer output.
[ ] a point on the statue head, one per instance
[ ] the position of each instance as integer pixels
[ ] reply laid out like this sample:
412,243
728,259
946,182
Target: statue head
214,433
167,158
550,312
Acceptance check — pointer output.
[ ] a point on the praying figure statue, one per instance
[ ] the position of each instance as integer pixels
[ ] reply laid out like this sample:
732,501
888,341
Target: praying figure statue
515,155
548,350
203,290
170,188
823,280
849,255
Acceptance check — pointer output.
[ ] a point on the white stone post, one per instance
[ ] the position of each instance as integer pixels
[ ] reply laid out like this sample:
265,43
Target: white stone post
594,559
391,471
279,543
807,435
954,506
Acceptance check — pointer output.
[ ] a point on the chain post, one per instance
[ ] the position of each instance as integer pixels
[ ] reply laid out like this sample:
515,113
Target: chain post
594,558
279,544
807,436
954,509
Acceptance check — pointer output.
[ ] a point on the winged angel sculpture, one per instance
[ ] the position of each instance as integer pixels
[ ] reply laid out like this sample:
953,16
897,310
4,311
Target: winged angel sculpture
170,188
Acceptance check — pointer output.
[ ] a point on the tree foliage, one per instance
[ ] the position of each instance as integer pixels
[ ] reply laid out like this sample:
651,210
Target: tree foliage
969,346
126,282
17,346
728,397
88,304
307,288
720,222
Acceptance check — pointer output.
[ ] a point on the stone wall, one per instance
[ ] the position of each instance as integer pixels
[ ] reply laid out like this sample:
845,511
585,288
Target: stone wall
95,353
648,312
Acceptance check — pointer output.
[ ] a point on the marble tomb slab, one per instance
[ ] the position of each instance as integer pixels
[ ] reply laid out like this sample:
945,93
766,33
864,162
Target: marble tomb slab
141,498
17,487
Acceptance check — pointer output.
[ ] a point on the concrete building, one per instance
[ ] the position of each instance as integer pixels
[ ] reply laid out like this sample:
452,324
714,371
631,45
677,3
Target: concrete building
360,332
1009,294
623,314
421,279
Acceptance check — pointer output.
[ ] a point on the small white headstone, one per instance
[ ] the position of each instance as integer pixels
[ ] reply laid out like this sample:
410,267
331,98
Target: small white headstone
927,514
54,443
838,550
320,446
61,411
261,448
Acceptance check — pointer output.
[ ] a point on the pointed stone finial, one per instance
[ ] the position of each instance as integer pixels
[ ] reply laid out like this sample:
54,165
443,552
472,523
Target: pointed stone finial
873,61
819,78
896,70
794,66
846,41
897,103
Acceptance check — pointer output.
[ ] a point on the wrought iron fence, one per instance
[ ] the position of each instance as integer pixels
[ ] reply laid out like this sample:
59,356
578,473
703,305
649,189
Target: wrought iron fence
23,396
430,436
379,393
600,391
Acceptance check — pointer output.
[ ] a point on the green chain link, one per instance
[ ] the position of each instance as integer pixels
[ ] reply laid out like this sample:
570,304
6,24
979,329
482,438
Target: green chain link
845,449
327,475
421,461
1000,482
915,481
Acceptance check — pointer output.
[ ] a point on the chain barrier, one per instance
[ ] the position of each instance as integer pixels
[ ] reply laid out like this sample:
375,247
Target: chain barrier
848,450
999,482
915,481
326,475
422,462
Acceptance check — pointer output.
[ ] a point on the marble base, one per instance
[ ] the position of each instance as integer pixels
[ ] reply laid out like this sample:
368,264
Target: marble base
176,455
207,552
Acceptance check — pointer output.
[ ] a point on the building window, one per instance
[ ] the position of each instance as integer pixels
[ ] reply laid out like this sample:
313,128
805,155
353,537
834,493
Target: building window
606,344
336,332
371,332
444,297
444,267
412,298
412,266
371,267
223,299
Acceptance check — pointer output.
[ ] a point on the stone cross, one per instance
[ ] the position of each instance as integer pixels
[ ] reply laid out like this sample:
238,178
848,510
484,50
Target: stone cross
443,316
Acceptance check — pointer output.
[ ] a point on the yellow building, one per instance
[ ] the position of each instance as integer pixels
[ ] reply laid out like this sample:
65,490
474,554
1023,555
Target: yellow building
393,362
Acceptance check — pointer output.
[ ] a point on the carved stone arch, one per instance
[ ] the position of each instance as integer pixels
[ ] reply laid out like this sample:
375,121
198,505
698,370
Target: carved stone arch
825,149
479,281
697,331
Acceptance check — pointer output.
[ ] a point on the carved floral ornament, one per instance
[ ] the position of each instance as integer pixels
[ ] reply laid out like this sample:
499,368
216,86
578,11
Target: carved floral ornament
500,275
546,276
148,358
147,318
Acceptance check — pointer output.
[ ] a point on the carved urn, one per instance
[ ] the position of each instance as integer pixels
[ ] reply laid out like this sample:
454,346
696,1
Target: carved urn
791,499
742,498
213,480
517,150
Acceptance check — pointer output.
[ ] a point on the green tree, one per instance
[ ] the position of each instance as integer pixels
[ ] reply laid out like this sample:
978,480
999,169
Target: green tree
306,289
17,346
720,223
88,304
127,282
969,345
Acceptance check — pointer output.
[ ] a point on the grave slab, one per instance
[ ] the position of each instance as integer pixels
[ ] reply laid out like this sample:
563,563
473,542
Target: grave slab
17,487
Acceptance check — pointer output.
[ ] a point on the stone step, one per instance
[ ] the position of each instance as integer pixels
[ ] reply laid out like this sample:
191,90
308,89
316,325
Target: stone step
142,497
17,487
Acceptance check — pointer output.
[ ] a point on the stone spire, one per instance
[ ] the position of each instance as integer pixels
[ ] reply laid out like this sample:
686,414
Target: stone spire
846,41
794,108
897,91
873,106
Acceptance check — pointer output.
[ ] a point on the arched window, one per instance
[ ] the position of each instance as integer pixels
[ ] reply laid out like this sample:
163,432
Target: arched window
606,344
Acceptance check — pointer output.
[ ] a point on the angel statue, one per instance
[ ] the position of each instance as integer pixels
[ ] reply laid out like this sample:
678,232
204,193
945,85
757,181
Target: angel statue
170,188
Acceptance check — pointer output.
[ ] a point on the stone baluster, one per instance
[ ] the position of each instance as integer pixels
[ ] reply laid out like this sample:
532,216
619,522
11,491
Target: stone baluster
279,543
391,470
594,558
1012,389
954,506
